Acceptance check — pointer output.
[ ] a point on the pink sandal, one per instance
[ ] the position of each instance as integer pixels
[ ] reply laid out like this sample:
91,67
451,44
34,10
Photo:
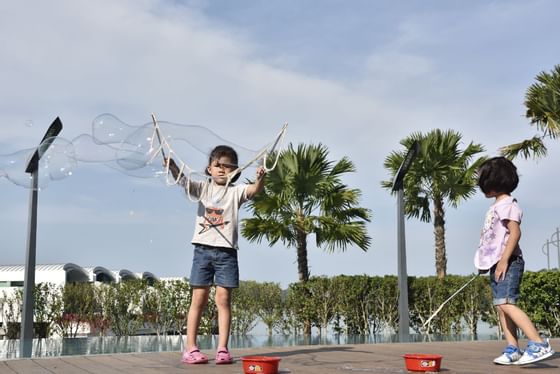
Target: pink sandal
194,356
223,356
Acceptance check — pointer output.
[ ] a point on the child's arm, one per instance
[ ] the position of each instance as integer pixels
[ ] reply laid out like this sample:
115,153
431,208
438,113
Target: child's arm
511,245
258,186
173,168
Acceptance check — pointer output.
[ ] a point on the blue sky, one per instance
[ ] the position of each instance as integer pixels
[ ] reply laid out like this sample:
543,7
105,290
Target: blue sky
357,76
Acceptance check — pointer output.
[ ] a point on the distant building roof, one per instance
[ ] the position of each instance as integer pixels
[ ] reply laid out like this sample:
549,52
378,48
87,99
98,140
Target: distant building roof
104,275
75,273
71,272
42,267
127,275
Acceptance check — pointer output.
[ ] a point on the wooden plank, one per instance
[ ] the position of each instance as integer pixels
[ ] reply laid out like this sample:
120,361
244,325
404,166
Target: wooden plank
25,366
460,357
90,364
59,366
5,369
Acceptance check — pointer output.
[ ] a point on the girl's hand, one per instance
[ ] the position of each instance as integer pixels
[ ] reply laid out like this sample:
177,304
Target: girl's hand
501,269
173,168
260,172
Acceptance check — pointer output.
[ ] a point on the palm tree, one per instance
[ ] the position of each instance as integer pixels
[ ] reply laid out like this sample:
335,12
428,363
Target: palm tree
441,173
542,100
304,195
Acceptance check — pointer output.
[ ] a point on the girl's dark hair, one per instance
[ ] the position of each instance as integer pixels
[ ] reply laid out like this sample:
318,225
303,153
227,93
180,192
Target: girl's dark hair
224,151
497,174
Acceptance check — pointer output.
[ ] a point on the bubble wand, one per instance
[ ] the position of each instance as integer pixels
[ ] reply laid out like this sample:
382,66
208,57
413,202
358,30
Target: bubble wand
449,298
158,135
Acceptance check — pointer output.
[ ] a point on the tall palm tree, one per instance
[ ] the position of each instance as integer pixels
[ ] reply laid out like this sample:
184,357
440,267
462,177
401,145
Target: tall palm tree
542,100
304,195
440,174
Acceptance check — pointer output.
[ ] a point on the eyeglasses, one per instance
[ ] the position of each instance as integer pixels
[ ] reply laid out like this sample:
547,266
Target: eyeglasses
224,165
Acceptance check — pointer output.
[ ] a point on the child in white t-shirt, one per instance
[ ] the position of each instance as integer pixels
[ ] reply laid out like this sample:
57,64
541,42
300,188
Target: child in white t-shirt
215,245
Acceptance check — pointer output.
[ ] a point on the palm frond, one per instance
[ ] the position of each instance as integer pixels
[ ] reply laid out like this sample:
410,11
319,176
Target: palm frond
530,148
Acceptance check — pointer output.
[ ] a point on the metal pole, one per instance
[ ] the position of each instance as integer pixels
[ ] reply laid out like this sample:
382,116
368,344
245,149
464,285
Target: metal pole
547,253
26,338
26,335
404,317
557,233
558,246
398,187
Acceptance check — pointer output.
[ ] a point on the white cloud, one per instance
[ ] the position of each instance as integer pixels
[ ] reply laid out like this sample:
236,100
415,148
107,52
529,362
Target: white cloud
78,59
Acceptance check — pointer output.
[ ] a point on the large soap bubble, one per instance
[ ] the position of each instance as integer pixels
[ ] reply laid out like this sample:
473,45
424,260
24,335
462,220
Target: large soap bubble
133,150
56,163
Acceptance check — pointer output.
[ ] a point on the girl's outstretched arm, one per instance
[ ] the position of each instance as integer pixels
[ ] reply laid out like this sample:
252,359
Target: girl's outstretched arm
258,186
173,168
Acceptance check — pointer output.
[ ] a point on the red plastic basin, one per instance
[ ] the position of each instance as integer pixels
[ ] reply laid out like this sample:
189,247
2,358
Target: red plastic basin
422,362
260,364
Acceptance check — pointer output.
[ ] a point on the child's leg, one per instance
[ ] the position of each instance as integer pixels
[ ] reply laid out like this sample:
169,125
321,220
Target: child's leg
508,326
223,303
198,303
516,317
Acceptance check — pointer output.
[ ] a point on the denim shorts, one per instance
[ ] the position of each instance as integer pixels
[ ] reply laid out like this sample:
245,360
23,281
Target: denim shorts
506,291
214,265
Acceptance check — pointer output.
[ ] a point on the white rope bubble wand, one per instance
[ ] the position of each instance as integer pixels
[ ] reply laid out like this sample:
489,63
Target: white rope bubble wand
162,144
449,298
262,154
279,139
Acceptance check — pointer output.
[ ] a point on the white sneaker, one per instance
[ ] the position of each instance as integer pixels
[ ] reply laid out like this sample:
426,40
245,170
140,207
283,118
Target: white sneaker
510,356
536,352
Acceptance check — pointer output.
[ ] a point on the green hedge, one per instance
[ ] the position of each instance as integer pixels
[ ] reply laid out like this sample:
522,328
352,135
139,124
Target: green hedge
357,304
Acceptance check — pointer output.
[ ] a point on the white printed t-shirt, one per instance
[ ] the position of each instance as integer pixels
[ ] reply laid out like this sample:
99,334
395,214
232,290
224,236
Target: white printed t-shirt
216,223
495,233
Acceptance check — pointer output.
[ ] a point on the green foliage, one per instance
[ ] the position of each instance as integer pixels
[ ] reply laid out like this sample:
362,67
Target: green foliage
542,100
270,305
442,174
475,304
386,303
540,299
357,304
300,310
12,305
323,295
47,298
75,308
165,306
305,195
121,305
245,302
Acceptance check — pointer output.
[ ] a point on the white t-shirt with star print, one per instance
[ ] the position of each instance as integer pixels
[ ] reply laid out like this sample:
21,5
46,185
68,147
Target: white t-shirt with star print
216,223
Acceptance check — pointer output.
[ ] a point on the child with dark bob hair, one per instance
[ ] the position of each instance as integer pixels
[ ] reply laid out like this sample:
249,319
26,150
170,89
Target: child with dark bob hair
499,252
215,243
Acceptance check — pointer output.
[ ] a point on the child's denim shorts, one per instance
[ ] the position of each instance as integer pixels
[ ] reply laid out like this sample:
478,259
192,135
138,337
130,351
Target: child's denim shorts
506,291
214,265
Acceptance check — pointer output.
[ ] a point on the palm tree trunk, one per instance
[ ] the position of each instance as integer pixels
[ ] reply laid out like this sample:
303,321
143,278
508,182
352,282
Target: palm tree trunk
303,270
439,232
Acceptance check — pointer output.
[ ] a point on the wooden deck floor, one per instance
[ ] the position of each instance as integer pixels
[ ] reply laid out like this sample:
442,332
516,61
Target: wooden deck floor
458,357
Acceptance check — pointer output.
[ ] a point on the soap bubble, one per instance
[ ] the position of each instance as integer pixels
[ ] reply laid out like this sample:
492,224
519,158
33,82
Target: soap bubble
137,151
57,162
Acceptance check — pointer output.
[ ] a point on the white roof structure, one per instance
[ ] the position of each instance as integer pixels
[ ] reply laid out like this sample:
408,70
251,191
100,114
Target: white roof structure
13,275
